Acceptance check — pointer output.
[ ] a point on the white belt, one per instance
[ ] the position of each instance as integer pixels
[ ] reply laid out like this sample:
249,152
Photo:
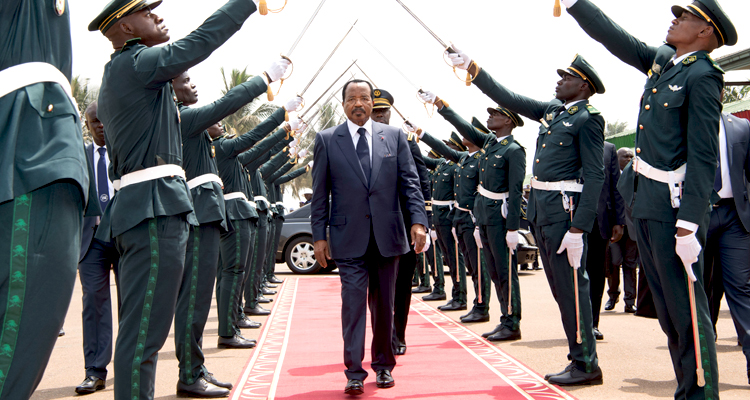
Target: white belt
280,204
673,179
262,198
22,75
563,187
205,178
442,202
496,196
464,209
148,174
239,195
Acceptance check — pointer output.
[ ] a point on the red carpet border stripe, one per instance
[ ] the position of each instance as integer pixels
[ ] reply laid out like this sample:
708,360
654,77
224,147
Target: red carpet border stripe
513,372
261,372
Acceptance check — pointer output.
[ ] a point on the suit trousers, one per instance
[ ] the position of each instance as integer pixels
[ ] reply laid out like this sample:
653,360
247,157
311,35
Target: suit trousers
669,288
727,270
40,239
236,248
402,297
495,251
151,264
194,299
560,278
623,253
457,271
468,246
94,273
368,279
257,262
596,266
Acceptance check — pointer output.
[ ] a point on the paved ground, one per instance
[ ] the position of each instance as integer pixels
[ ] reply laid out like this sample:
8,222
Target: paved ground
633,356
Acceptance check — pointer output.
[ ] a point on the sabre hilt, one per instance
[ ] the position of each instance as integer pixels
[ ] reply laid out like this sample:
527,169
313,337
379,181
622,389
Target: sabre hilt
269,92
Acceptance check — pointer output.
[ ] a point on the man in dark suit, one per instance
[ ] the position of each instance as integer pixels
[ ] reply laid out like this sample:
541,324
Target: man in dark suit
727,255
366,168
97,258
608,228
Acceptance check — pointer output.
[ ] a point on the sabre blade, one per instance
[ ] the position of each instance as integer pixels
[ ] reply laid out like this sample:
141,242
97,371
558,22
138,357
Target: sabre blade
329,87
386,59
294,45
445,46
326,61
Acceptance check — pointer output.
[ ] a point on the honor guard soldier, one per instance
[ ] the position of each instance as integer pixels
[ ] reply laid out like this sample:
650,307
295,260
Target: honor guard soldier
46,185
562,208
674,171
434,163
497,208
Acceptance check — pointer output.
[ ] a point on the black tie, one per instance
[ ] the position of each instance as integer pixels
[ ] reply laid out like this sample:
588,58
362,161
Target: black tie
717,179
667,67
363,153
102,183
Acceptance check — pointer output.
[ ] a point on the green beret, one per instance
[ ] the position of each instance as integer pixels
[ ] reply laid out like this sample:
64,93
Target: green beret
479,125
382,99
711,12
517,121
582,69
457,141
116,10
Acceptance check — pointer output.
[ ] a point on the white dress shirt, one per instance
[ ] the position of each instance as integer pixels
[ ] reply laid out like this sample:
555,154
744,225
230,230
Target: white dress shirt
96,172
726,182
355,135
501,138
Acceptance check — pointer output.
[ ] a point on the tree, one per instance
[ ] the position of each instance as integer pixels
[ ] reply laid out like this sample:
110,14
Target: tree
251,114
735,93
613,128
84,96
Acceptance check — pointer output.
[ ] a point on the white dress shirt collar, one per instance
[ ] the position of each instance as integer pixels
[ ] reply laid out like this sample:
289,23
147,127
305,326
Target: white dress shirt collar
676,60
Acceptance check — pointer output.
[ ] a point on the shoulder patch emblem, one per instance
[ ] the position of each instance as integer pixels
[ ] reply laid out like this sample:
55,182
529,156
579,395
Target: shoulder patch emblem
592,109
59,7
675,88
689,60
573,110
715,64
567,124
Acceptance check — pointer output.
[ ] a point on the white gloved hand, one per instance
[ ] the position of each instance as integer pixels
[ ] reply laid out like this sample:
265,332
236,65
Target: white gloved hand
433,235
303,153
426,245
511,239
277,69
292,151
688,248
293,144
295,124
410,127
459,59
573,244
427,96
477,237
310,164
293,104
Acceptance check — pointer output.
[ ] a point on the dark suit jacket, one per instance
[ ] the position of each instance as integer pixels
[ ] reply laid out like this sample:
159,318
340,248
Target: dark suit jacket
611,209
89,223
738,151
356,208
424,180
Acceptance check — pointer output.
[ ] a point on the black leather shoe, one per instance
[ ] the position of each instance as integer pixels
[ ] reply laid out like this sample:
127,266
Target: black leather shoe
384,379
354,387
575,377
258,310
414,283
468,313
247,323
611,304
629,309
235,342
90,385
201,388
61,333
211,379
567,369
452,306
597,334
271,285
421,289
505,335
492,332
434,296
263,300
274,279
400,350
267,292
748,376
476,317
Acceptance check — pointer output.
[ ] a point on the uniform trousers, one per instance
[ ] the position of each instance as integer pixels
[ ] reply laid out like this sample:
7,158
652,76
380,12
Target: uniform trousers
194,299
728,270
40,235
495,252
278,224
236,248
435,267
457,270
270,253
368,279
596,266
623,253
560,277
151,264
470,251
422,271
669,287
96,316
402,297
255,268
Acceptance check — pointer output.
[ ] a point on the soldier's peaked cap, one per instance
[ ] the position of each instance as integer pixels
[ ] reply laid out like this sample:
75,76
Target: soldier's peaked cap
582,69
517,121
479,125
382,99
118,9
457,141
711,12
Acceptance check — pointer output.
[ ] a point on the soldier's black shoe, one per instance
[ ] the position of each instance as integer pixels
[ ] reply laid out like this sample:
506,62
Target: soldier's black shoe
90,385
263,300
505,335
468,313
267,292
201,388
235,342
434,296
567,368
597,334
414,283
61,333
448,304
271,285
629,309
611,304
492,332
421,289
476,317
748,376
211,379
247,323
575,376
354,387
453,306
258,310
383,379
274,279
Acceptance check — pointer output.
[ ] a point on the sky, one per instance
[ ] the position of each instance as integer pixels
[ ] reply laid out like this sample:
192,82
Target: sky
519,43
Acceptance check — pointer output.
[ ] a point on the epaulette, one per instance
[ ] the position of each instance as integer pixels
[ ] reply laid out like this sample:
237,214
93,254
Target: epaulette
573,110
715,64
130,42
410,136
592,109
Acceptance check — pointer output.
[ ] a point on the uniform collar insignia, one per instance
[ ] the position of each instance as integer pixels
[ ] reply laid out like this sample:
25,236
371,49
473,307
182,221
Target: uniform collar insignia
675,88
567,124
689,60
504,142
573,110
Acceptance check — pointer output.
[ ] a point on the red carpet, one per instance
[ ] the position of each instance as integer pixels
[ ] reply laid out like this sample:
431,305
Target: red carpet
300,355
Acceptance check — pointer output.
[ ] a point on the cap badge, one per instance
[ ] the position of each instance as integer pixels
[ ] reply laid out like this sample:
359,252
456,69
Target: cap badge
59,7
377,93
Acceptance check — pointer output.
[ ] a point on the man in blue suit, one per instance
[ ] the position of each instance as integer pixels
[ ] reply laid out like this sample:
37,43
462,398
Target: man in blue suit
367,169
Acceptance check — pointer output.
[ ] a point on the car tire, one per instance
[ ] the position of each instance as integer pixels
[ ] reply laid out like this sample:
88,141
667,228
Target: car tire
299,256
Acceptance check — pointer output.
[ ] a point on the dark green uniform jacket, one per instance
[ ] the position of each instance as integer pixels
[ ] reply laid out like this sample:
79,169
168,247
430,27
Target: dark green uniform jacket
569,147
41,139
442,188
142,123
679,106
